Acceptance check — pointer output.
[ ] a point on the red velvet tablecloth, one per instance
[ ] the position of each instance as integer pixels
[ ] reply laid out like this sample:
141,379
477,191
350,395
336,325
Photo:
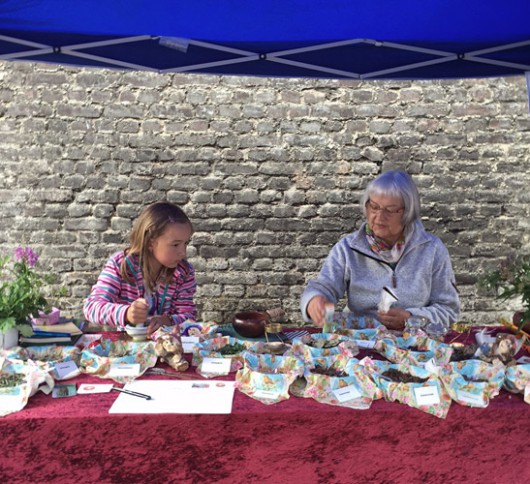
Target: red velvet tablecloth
75,439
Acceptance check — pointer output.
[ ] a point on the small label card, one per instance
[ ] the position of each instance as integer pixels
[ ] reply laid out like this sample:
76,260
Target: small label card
86,388
347,393
217,366
524,360
365,343
427,395
66,369
131,369
188,342
471,398
267,394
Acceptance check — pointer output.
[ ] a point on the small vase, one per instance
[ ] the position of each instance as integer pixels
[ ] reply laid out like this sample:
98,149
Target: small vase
52,317
8,338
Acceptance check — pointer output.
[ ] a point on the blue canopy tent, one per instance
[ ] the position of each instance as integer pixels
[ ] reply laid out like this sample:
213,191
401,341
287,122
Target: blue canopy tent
349,39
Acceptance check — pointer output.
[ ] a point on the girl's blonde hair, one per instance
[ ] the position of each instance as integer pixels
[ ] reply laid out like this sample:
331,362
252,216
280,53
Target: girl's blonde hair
151,224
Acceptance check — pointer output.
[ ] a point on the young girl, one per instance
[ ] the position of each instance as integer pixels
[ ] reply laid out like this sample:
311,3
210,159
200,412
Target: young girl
151,281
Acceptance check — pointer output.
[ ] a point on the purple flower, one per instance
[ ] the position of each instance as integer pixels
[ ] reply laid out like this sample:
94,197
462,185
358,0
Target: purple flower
26,254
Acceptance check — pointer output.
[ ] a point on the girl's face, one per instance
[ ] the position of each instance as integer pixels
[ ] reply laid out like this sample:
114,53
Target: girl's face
170,248
385,215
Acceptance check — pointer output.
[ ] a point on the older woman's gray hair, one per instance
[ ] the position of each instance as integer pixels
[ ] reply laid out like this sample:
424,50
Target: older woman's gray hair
399,184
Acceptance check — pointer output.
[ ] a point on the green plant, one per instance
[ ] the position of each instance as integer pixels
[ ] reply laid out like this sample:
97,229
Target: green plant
22,290
511,280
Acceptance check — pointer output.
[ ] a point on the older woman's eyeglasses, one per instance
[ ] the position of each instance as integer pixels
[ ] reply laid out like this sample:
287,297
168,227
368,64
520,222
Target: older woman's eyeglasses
374,208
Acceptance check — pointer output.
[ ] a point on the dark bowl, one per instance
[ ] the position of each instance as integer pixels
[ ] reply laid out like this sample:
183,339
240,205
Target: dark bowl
250,324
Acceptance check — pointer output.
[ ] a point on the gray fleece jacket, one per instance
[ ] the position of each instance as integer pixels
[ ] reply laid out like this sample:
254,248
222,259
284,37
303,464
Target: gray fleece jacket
422,279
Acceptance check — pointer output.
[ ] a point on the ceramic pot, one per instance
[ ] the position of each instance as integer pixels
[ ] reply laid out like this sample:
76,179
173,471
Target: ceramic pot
8,338
517,318
251,324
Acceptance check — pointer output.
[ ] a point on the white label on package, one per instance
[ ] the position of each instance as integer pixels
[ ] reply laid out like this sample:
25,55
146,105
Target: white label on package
524,360
364,343
471,398
218,366
427,395
188,342
132,369
266,394
86,388
347,393
66,369
527,393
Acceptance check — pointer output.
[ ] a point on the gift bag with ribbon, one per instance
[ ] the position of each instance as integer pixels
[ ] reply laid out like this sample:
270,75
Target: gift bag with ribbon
19,381
267,378
517,380
342,381
414,350
312,346
412,385
120,360
472,383
219,356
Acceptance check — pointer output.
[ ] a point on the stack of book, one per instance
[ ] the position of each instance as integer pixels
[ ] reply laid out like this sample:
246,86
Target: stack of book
56,334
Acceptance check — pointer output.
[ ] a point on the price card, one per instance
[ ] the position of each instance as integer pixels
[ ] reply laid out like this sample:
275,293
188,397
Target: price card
364,343
347,393
188,342
471,398
86,388
130,369
217,366
66,369
267,394
427,395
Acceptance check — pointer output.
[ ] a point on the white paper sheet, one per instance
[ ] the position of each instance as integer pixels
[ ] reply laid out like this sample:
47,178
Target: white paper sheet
169,396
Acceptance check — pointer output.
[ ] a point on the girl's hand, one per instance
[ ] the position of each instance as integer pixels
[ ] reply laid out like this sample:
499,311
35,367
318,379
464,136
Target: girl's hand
316,310
394,319
137,312
156,322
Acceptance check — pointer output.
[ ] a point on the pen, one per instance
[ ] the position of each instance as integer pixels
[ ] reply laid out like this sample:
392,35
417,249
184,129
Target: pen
134,394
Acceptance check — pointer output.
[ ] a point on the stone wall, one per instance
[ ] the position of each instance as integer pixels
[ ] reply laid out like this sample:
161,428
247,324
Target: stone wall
269,170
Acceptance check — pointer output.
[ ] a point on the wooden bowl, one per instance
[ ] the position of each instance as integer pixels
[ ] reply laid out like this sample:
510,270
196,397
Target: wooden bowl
250,324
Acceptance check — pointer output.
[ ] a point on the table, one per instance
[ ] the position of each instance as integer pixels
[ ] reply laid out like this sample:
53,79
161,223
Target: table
75,439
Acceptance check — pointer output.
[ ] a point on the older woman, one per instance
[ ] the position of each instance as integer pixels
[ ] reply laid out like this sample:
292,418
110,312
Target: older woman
390,249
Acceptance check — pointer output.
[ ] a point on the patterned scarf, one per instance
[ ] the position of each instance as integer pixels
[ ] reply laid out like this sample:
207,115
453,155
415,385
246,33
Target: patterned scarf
390,254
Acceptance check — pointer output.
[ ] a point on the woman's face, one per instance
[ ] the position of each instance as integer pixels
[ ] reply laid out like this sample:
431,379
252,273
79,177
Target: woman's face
384,214
170,248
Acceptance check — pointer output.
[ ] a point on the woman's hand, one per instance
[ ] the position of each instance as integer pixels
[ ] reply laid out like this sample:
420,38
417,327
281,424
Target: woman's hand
394,318
137,312
156,322
316,310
